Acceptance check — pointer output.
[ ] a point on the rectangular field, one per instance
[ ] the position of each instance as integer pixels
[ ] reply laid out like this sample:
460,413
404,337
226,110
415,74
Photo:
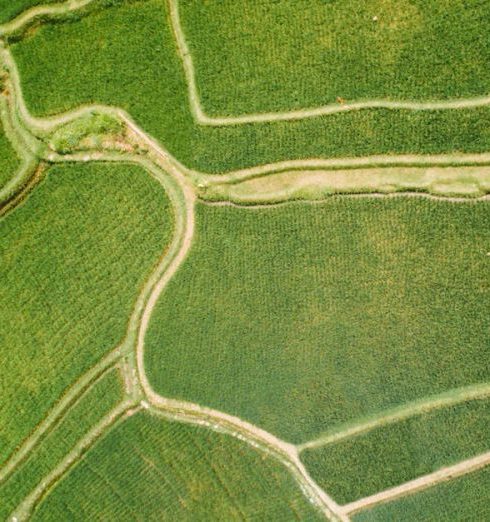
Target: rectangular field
258,56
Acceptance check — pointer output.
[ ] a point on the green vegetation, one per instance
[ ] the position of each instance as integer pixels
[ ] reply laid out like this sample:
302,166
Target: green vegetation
390,455
92,126
73,256
150,469
100,399
9,162
11,8
329,312
461,500
131,61
307,53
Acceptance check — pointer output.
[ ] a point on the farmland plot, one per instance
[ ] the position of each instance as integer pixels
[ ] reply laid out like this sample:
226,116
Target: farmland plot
169,353
331,312
362,465
104,395
132,61
151,469
74,257
310,53
464,499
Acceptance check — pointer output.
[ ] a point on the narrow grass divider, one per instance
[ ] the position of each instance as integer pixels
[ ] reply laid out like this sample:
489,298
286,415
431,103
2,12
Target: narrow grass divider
414,486
419,407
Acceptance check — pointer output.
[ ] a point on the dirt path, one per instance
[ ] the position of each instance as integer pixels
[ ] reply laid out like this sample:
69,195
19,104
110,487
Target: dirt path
444,474
419,407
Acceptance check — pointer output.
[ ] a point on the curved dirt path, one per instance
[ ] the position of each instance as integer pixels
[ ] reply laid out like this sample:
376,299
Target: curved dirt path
41,11
419,484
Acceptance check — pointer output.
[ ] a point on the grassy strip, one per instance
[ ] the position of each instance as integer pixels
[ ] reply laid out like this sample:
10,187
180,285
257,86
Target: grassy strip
74,257
101,398
461,500
331,312
315,185
9,162
391,455
131,62
184,473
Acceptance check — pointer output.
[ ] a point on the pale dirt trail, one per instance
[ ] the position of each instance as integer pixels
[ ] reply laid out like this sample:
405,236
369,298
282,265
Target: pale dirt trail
448,473
419,407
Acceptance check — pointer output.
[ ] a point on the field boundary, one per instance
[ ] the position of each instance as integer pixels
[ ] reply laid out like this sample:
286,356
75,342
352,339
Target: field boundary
419,407
203,119
419,484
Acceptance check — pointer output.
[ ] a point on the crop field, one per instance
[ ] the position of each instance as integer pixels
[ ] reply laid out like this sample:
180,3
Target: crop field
8,159
184,473
106,393
362,465
73,258
308,53
358,305
464,499
244,260
131,61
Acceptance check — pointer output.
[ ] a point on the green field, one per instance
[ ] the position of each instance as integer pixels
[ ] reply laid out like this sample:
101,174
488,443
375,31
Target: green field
309,52
11,8
330,311
105,394
244,260
462,500
184,473
390,455
131,61
73,259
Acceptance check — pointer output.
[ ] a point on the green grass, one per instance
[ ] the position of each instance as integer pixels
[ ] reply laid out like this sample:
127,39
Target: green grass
11,8
301,317
74,257
9,162
130,61
307,53
461,500
391,455
98,401
150,469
